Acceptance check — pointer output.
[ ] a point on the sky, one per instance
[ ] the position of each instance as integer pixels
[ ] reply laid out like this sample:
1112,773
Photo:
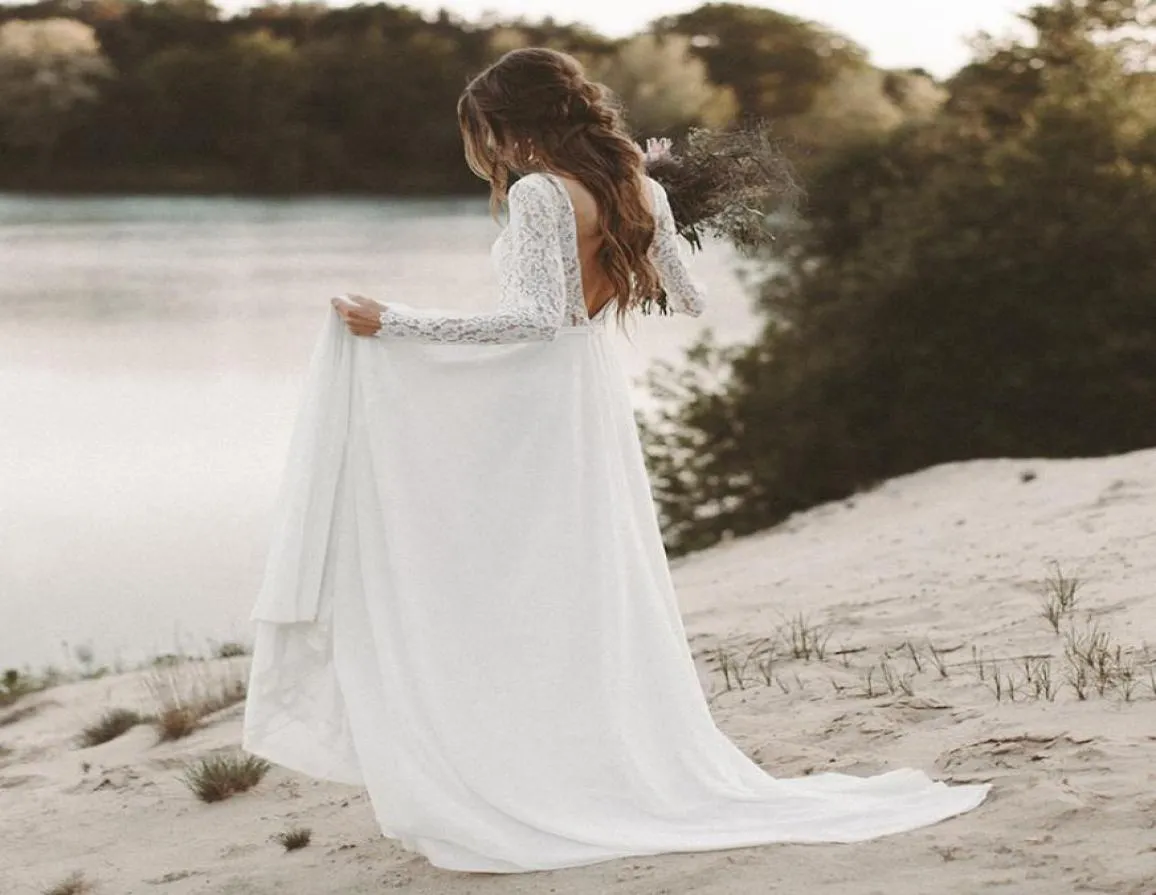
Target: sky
927,34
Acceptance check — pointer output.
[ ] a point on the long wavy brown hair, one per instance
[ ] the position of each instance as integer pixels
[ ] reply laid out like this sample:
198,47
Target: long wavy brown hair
535,110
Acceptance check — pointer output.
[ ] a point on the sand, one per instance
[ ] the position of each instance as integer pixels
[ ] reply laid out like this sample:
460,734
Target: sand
953,557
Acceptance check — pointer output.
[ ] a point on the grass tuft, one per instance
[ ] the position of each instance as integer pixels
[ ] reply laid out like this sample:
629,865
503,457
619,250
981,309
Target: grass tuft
1059,597
231,649
76,884
109,726
1097,661
295,838
188,691
176,722
805,640
1092,662
217,777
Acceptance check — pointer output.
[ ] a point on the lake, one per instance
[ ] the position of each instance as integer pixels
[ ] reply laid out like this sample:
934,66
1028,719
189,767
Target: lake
151,354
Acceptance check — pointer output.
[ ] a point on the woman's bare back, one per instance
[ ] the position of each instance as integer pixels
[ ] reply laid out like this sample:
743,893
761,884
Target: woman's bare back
596,286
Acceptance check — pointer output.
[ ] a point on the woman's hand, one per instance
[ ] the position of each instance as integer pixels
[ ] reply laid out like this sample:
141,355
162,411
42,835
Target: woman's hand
362,315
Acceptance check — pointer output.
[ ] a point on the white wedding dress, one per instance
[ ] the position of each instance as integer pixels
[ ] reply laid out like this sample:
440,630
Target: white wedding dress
467,606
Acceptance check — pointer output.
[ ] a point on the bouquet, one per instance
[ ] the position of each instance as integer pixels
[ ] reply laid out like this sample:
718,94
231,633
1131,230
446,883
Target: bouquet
731,184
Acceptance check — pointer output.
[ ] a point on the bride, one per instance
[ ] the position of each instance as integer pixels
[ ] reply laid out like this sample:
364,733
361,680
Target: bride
467,607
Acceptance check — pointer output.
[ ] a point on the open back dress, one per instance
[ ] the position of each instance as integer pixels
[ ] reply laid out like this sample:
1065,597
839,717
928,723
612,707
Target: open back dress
467,607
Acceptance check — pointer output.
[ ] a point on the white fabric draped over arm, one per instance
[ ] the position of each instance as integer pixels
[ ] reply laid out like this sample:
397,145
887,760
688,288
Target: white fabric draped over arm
533,285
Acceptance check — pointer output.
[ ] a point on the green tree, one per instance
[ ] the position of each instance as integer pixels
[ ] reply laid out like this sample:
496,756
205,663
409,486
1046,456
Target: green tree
664,87
774,63
390,102
817,86
51,71
862,104
261,130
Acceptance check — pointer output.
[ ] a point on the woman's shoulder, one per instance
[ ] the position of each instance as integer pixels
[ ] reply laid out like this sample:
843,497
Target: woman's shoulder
533,183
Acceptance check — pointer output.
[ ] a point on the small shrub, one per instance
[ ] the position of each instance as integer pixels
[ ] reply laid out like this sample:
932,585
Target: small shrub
110,725
176,722
231,649
15,686
75,884
295,838
220,776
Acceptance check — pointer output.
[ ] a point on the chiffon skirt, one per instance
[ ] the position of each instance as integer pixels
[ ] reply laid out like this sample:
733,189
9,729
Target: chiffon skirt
467,610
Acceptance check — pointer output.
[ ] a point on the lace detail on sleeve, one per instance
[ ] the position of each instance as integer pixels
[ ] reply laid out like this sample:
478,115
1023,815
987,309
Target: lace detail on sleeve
531,282
683,292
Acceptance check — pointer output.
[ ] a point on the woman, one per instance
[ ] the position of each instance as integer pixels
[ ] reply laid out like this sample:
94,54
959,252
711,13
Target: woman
467,607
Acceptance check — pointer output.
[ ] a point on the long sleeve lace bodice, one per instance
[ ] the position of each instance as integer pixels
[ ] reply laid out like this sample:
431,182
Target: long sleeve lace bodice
684,293
539,275
532,282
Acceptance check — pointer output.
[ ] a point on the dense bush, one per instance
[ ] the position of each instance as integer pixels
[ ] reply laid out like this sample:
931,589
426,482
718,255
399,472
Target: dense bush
978,284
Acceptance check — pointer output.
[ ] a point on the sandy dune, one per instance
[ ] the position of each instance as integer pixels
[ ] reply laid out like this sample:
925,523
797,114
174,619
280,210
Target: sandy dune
953,557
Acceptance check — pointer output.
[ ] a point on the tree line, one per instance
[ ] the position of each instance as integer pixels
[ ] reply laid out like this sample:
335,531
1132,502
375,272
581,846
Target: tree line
173,95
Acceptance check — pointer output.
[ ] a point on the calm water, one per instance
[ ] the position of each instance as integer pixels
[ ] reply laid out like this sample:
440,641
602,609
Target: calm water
151,353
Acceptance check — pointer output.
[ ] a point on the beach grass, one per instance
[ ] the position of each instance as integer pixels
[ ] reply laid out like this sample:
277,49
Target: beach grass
217,777
109,726
186,693
74,884
294,838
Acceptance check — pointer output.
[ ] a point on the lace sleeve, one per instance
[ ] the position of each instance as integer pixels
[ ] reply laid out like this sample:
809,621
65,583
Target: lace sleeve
683,292
532,283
